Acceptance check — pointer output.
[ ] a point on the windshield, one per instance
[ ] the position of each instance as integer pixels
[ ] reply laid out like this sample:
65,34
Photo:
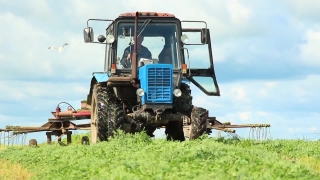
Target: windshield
157,43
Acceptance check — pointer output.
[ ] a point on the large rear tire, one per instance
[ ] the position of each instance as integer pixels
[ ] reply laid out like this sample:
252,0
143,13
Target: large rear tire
198,124
106,114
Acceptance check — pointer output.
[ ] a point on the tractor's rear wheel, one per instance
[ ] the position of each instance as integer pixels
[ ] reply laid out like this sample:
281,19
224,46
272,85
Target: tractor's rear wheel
174,131
198,123
106,114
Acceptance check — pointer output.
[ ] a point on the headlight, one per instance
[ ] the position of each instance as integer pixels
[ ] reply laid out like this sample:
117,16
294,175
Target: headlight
177,92
110,38
140,92
184,38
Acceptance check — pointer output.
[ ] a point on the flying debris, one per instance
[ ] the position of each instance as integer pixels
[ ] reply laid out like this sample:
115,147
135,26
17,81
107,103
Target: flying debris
58,48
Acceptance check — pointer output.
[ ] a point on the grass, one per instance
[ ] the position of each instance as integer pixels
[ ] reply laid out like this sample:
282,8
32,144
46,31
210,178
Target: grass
139,157
13,171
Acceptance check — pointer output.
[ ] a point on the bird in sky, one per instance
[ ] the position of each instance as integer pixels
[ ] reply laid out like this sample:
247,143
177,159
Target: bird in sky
59,49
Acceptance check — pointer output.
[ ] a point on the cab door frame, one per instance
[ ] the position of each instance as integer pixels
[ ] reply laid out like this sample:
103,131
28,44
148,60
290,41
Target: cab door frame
205,72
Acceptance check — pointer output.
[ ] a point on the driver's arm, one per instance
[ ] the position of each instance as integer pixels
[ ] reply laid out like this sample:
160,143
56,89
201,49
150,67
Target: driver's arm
125,60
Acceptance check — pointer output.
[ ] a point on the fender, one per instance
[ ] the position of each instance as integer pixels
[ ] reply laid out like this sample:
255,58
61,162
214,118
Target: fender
97,78
185,81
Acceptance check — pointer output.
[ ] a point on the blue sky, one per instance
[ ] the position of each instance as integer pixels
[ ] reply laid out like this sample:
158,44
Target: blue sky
266,55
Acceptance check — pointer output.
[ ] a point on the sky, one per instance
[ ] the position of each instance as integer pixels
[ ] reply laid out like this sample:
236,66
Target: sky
266,58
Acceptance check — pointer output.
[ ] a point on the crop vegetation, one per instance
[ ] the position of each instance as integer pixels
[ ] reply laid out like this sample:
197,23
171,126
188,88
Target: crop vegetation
139,157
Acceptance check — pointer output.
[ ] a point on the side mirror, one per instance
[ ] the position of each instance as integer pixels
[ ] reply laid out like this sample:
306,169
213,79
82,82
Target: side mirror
88,34
204,37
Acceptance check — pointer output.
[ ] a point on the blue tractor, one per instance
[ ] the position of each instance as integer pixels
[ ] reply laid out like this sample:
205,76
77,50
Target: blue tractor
145,87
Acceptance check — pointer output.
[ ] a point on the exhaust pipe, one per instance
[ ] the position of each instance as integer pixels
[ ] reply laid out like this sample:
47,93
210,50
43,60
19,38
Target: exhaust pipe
134,55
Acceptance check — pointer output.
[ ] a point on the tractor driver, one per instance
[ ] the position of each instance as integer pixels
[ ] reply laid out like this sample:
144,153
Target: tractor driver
142,52
165,56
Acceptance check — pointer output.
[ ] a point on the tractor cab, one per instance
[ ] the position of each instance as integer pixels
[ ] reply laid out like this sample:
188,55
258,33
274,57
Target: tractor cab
156,44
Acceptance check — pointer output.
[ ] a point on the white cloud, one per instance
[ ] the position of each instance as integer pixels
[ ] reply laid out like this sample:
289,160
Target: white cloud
3,118
244,116
239,13
35,59
295,129
267,88
314,129
307,10
239,93
84,10
199,100
2,57
16,23
261,113
40,9
284,105
81,89
309,51
270,84
263,92
22,47
303,129
43,91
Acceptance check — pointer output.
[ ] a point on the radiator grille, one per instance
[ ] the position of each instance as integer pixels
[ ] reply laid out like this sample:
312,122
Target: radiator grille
159,84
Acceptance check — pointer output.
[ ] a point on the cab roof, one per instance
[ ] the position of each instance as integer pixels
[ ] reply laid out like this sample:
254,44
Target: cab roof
147,14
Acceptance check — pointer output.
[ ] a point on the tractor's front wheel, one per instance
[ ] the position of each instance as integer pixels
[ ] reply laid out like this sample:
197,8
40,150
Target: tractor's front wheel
174,131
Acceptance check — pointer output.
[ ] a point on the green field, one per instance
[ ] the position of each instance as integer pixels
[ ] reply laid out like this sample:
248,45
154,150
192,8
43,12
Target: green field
139,157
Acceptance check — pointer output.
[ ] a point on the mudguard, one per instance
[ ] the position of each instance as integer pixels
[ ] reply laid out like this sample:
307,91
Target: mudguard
100,77
187,81
97,78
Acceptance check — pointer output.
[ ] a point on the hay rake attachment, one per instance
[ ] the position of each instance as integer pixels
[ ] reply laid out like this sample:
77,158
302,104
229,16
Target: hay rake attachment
8,138
61,125
58,126
257,131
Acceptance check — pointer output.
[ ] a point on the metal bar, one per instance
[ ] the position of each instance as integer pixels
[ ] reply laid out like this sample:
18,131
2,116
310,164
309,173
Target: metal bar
84,128
191,29
98,20
224,129
83,125
77,114
195,21
40,130
27,128
239,126
134,58
194,44
64,119
64,113
28,131
71,114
